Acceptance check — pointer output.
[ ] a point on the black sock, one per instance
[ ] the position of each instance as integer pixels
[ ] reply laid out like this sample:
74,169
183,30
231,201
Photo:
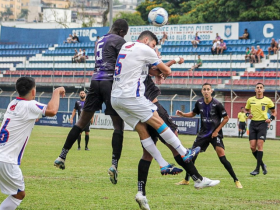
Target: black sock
143,170
117,143
259,159
79,141
189,168
71,138
228,166
242,133
256,156
86,140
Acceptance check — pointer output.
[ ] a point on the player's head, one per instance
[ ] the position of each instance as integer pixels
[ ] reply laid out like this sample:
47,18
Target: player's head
259,89
82,94
148,38
26,88
242,109
207,90
119,27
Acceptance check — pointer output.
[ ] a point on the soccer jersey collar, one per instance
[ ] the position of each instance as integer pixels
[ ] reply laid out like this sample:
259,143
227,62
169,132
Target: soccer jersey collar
259,98
21,99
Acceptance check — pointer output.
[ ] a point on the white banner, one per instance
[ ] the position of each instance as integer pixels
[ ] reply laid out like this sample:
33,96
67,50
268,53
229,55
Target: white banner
187,32
100,120
231,129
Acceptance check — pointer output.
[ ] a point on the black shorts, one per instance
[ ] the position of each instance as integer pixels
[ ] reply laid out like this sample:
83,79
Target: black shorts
257,130
87,128
203,143
99,92
242,125
168,121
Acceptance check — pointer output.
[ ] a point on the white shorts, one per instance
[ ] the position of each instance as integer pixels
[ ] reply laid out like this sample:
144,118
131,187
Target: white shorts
11,179
133,110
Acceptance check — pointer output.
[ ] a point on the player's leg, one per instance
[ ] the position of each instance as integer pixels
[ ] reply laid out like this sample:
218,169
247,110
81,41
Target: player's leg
87,130
79,141
12,201
220,150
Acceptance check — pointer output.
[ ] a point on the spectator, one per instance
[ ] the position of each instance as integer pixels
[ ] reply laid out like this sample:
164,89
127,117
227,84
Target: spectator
75,57
214,47
164,37
247,54
273,46
253,54
259,54
69,39
218,38
75,38
245,34
222,46
196,40
197,65
84,56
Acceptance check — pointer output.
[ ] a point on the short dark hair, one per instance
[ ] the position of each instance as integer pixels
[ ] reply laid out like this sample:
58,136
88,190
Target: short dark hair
119,25
259,83
206,83
149,34
24,85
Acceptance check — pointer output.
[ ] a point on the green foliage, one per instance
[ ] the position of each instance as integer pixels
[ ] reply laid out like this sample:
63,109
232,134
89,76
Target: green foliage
85,185
133,19
24,13
211,11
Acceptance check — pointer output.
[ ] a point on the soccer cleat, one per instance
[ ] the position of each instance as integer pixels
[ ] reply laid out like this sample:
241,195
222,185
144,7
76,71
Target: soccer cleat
87,149
59,163
170,169
113,173
190,154
205,183
255,172
238,184
79,148
264,169
142,201
183,182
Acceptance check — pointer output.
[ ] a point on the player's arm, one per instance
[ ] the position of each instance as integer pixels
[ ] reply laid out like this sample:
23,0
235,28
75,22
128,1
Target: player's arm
182,114
224,121
156,72
248,111
53,105
73,115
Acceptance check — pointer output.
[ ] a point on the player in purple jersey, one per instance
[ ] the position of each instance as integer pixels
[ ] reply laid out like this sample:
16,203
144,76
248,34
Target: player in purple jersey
106,53
211,112
79,105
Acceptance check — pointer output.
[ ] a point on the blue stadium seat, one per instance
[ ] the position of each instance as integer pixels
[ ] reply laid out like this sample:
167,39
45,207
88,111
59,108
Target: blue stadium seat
253,41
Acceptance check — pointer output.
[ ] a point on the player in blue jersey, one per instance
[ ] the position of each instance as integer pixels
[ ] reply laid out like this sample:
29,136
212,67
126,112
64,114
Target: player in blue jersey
211,112
79,105
106,53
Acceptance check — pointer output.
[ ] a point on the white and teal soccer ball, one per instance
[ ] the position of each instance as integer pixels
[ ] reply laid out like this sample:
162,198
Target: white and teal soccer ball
158,16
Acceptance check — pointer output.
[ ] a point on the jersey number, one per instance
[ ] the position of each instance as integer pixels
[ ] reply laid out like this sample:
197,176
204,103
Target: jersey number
119,64
4,133
99,51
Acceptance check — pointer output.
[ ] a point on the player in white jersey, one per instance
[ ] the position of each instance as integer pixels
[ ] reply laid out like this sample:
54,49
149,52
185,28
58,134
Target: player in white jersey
127,97
16,128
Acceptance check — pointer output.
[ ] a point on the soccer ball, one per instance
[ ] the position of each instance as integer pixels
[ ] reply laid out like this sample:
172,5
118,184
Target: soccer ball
158,16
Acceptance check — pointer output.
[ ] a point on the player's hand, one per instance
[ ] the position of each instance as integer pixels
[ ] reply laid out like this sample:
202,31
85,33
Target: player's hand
91,121
159,79
61,91
250,116
181,60
214,134
180,113
268,121
71,120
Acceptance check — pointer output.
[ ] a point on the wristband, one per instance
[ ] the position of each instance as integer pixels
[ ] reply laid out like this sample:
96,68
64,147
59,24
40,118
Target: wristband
272,118
247,114
177,60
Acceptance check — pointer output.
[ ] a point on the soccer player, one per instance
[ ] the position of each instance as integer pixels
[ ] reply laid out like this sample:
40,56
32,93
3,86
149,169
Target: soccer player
106,52
257,107
134,108
151,93
17,125
211,112
241,122
79,105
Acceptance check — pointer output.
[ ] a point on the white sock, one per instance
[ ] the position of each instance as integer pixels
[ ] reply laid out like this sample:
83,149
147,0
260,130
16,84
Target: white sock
173,140
150,146
10,203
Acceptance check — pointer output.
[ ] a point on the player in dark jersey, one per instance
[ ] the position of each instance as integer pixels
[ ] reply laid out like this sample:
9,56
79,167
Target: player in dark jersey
151,93
79,105
106,53
211,112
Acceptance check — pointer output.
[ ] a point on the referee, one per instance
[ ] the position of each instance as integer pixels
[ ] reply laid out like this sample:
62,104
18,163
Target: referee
241,122
257,108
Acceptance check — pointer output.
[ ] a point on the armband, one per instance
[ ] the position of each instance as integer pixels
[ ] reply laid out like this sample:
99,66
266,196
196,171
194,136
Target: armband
247,114
272,118
177,60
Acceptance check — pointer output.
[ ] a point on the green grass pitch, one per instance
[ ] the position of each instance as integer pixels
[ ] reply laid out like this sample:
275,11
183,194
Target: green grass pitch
84,184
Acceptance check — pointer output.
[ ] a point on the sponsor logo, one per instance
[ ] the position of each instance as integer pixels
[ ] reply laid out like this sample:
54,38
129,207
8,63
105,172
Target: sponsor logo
12,108
227,31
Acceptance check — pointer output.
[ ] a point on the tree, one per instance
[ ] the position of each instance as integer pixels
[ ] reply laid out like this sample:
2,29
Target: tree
105,3
133,19
24,13
6,14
